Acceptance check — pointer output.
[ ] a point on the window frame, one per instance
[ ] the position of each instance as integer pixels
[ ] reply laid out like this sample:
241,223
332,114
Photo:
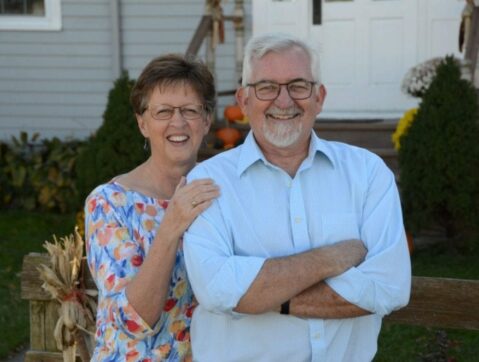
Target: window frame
51,21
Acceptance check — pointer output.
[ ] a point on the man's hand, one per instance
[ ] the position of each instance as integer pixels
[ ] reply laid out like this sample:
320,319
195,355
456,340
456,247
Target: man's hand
321,301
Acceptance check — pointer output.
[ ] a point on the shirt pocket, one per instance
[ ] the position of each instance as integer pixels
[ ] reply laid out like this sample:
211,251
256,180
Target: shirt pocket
338,227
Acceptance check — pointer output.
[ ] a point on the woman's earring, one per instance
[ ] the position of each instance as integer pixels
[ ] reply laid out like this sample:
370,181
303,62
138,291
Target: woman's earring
145,146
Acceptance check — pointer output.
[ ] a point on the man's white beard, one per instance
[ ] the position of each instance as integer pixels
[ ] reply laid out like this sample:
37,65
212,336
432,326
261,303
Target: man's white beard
282,133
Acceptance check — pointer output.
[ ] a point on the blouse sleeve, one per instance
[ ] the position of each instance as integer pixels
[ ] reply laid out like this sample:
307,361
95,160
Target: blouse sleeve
114,257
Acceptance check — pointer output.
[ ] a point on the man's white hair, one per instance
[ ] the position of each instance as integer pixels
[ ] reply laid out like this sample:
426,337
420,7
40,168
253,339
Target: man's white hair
258,46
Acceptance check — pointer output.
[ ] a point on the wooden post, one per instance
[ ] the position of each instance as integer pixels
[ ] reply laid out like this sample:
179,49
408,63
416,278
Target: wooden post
210,51
204,27
442,303
239,37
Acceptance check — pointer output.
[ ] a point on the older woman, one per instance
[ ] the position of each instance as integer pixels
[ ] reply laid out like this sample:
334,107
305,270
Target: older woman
135,222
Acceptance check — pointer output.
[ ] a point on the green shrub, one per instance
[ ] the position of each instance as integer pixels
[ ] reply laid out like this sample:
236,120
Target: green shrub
38,175
117,146
18,163
54,182
439,156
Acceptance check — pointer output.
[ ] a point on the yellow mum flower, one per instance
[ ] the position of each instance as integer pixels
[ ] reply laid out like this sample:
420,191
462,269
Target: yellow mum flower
403,126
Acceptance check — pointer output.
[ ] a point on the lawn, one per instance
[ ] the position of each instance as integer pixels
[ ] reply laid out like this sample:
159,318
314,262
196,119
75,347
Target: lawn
411,343
22,233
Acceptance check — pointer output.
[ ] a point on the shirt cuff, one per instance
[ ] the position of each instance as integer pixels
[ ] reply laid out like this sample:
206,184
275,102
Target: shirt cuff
227,287
356,288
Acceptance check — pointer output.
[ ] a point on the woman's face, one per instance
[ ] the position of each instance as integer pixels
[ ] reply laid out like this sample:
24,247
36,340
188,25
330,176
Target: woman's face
178,139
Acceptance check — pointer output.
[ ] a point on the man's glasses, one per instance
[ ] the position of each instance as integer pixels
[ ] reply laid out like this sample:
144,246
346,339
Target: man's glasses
163,112
268,91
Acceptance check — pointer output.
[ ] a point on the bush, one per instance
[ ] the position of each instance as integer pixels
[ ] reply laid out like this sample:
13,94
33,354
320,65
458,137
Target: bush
18,164
439,156
54,182
38,175
117,146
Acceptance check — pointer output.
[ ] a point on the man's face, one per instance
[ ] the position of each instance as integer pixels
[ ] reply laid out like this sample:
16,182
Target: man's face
283,122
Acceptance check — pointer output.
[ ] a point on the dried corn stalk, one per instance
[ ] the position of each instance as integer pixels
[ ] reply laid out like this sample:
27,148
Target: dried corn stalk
77,305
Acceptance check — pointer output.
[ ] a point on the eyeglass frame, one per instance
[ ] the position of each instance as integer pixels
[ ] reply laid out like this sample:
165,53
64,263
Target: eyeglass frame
312,83
180,110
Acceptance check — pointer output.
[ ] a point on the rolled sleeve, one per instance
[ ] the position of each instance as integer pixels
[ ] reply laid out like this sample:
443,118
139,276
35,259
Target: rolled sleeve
218,277
382,283
129,321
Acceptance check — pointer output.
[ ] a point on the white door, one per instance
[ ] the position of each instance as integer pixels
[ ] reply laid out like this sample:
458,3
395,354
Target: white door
366,46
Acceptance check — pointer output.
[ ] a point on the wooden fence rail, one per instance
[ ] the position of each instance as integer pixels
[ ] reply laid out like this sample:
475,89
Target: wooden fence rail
435,302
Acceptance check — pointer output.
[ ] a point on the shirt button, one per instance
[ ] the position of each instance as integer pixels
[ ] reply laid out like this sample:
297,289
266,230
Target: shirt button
297,220
317,335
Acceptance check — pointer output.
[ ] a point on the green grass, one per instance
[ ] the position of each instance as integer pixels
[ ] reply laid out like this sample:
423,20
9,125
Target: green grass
411,343
21,233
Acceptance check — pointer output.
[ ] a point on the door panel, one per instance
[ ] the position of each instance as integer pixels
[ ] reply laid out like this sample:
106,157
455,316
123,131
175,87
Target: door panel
386,67
336,67
281,15
440,27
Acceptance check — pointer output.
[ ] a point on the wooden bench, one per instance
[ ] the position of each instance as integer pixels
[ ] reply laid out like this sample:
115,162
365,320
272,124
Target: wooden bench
435,302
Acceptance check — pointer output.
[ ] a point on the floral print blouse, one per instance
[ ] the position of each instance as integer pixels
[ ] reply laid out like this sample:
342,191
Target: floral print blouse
120,225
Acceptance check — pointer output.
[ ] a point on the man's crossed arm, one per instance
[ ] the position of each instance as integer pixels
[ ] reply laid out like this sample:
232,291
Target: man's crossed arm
300,279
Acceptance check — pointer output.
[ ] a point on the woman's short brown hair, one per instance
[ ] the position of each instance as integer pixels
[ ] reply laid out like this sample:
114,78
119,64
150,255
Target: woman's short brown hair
172,69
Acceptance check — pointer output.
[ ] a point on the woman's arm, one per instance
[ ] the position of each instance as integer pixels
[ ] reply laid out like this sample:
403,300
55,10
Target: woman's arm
148,290
134,290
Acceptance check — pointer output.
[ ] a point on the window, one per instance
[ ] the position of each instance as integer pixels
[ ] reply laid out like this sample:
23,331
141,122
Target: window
22,7
30,15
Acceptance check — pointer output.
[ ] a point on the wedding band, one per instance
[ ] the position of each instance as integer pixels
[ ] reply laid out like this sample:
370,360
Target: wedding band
194,203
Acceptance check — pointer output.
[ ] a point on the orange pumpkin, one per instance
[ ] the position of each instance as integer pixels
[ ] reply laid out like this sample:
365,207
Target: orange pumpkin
233,113
229,136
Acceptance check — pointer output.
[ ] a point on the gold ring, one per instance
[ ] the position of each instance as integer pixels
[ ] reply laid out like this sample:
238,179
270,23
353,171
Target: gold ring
194,203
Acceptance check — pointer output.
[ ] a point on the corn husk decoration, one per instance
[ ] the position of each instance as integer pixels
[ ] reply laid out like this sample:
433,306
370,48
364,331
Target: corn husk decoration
76,323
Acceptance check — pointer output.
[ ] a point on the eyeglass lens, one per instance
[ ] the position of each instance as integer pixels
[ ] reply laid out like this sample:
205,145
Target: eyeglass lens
299,89
164,112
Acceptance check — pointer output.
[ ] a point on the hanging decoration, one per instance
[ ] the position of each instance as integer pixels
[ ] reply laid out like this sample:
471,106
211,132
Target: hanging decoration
218,31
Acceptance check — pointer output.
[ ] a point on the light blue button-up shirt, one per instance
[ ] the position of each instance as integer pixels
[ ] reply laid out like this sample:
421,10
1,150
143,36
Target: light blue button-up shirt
339,192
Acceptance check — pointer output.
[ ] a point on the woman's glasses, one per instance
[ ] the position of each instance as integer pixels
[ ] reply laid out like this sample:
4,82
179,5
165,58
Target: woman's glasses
163,112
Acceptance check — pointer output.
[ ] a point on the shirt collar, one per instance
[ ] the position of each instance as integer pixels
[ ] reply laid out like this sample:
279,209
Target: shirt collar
251,153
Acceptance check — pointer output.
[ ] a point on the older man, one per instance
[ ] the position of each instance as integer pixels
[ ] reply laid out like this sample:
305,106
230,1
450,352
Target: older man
305,251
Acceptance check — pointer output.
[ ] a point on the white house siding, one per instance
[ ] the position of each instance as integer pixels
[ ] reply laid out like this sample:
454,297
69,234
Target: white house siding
56,82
